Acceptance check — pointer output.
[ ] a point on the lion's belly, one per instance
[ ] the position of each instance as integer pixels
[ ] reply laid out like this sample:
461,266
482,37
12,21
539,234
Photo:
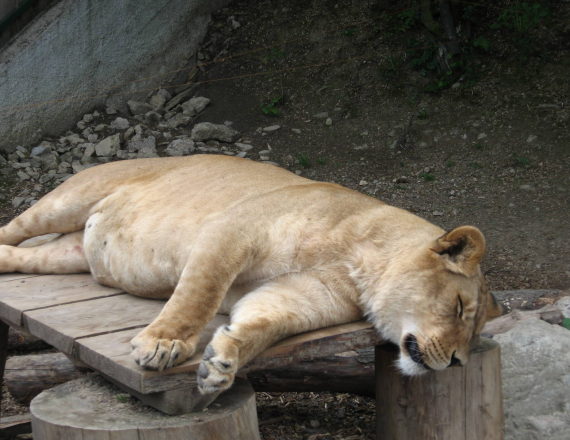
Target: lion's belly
126,257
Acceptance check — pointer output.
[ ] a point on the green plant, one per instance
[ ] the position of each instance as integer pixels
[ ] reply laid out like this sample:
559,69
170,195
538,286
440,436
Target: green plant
481,42
393,65
423,113
122,398
402,164
304,161
428,177
566,323
479,146
321,161
521,18
475,165
269,108
407,19
521,161
449,163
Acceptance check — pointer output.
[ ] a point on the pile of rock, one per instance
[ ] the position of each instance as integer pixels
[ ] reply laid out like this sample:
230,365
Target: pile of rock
153,129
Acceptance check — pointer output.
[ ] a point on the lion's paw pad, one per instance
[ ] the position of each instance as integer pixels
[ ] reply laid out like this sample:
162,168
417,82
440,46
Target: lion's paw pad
158,354
215,373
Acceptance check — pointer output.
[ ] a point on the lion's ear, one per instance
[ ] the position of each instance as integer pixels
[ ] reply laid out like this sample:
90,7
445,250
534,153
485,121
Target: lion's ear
494,308
461,249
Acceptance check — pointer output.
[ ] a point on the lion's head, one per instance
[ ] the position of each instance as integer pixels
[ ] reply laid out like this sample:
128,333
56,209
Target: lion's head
431,299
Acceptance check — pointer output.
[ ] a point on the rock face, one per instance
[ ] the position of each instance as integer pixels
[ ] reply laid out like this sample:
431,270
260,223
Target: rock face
206,131
536,381
564,306
139,108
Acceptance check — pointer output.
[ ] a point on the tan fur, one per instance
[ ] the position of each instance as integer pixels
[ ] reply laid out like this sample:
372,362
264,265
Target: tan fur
282,253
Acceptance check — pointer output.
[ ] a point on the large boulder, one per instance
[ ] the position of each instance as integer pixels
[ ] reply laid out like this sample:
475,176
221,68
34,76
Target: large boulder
206,131
535,360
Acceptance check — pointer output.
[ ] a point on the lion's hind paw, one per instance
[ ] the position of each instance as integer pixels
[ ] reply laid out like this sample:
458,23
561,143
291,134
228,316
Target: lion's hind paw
159,354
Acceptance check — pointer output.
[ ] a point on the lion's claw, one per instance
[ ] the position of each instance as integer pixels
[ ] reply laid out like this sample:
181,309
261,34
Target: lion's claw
159,354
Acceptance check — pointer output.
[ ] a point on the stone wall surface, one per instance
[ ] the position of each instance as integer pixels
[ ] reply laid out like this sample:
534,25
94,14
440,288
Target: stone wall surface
535,361
75,51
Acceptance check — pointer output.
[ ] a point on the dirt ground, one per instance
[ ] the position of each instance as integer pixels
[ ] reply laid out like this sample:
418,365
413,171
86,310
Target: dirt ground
490,148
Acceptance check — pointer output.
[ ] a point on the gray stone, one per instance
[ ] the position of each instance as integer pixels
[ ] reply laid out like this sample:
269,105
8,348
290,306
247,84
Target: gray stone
77,167
180,147
139,108
271,128
87,118
329,121
64,168
194,106
22,175
178,120
265,152
81,125
111,111
208,131
108,146
531,139
535,360
42,148
92,138
137,145
120,124
99,128
147,151
241,154
127,135
244,147
49,161
17,202
157,101
322,115
122,154
74,139
87,132
296,130
564,306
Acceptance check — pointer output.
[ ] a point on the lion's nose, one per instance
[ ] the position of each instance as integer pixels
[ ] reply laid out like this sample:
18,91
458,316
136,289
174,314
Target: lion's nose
454,361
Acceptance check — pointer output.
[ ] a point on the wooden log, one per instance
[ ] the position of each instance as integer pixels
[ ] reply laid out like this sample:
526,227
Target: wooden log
550,314
12,426
341,373
27,376
90,408
23,341
4,330
459,403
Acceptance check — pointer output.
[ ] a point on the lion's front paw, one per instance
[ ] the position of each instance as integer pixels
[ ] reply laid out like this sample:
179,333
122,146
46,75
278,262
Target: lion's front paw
158,354
216,372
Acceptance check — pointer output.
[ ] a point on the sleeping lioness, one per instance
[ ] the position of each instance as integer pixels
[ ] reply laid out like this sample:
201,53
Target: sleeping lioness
281,253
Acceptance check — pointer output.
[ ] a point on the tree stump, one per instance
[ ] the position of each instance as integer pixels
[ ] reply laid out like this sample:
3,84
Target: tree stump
91,408
459,403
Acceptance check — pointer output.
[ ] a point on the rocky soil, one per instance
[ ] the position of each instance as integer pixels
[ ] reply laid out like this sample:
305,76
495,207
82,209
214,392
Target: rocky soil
332,91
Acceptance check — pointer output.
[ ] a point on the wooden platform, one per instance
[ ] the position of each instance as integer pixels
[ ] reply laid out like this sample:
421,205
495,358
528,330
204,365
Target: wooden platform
94,324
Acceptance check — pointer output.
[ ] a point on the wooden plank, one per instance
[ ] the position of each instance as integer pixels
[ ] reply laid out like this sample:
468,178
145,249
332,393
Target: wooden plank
5,277
111,354
4,331
61,325
34,293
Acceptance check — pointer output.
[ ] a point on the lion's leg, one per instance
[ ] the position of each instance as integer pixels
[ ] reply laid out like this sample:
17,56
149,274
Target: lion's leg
62,255
289,305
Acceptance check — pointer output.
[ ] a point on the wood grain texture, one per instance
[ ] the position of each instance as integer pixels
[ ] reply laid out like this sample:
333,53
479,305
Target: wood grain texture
87,409
503,324
21,295
460,403
61,325
27,376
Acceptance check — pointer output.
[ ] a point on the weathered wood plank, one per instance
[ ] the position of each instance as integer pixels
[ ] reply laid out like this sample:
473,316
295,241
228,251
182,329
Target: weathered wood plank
4,331
34,293
111,354
14,425
61,325
6,277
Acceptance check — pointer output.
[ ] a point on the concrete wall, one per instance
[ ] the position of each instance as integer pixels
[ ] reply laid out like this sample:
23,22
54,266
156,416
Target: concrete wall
79,46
